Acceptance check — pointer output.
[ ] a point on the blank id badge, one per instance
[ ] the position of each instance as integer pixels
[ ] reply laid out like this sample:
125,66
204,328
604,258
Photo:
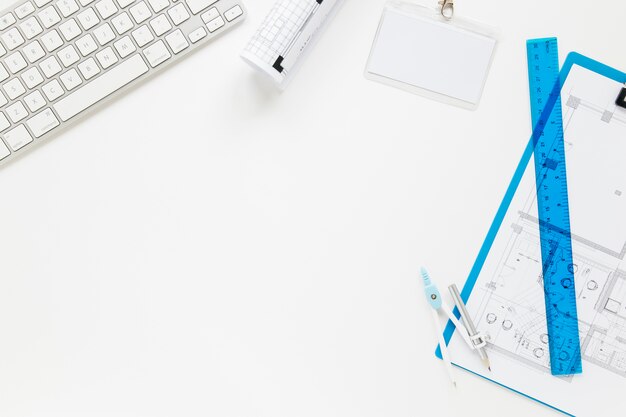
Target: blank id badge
430,52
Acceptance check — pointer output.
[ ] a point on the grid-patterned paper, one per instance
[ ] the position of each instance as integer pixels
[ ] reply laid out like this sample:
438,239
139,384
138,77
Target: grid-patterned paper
279,29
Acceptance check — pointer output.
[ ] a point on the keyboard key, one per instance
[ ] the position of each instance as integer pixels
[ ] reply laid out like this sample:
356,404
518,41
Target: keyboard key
15,62
6,21
156,53
88,68
4,123
158,5
4,151
18,137
106,8
24,10
233,13
142,35
86,45
50,67
31,27
14,88
3,73
69,29
178,14
52,40
88,18
126,3
215,24
12,38
140,12
49,17
71,79
197,6
197,34
32,77
209,15
125,46
122,23
104,34
176,40
160,24
122,74
68,56
34,51
52,90
42,123
17,112
106,57
41,3
67,7
34,101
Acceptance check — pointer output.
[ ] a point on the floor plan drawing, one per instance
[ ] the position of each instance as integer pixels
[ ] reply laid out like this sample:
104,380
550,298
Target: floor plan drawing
507,302
512,314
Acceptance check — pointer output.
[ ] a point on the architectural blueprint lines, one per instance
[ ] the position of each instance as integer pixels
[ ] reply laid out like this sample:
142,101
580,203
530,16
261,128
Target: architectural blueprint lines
510,303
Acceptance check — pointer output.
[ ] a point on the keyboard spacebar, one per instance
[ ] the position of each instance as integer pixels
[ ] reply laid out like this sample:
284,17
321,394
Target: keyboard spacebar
101,87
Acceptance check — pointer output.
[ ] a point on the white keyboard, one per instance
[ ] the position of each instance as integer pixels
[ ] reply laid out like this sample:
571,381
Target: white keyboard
60,58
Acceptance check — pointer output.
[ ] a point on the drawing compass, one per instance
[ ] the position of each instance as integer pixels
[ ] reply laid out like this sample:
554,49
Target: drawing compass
439,306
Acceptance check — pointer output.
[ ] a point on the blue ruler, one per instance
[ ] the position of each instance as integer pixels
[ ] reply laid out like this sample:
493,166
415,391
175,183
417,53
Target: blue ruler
553,205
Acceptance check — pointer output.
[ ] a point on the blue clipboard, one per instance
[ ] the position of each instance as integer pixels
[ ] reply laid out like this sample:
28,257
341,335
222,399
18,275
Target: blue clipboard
572,59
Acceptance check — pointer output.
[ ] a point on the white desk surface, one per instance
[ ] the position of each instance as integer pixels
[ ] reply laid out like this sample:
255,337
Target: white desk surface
205,246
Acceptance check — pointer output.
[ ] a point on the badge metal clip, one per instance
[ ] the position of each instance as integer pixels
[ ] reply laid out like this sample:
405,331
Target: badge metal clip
447,8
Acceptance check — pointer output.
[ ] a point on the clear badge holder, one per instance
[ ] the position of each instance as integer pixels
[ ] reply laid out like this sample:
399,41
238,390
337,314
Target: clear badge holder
431,52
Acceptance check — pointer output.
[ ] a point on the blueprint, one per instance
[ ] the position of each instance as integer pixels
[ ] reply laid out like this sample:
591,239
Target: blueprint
286,33
507,302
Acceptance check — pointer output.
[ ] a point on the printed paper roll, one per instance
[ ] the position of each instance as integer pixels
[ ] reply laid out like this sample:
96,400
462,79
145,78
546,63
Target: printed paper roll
286,35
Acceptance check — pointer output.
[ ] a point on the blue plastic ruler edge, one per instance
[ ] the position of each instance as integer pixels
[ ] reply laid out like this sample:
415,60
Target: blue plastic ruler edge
553,206
573,58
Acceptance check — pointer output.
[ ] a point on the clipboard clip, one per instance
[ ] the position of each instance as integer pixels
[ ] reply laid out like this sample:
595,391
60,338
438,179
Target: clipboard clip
447,8
621,99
